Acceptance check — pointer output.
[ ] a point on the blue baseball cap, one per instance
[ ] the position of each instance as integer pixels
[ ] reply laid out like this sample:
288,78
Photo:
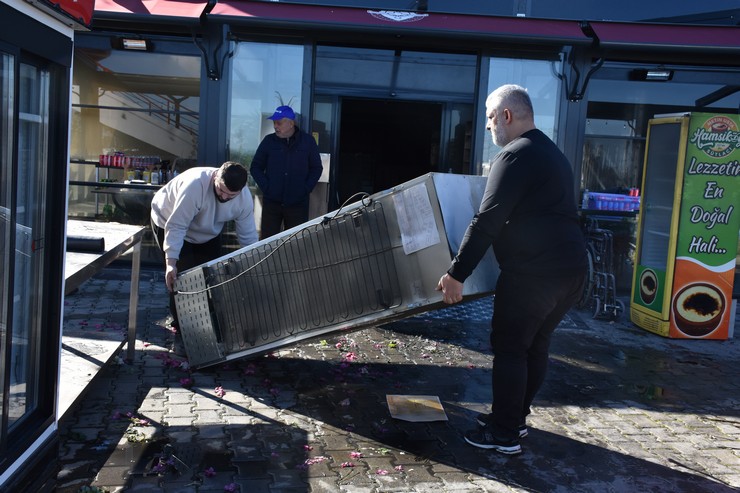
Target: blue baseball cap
283,112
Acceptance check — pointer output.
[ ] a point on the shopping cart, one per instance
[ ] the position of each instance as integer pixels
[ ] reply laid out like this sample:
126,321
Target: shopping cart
600,293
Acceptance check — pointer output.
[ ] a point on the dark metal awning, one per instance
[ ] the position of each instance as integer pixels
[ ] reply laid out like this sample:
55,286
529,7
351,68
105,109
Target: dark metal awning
519,28
523,30
666,36
290,16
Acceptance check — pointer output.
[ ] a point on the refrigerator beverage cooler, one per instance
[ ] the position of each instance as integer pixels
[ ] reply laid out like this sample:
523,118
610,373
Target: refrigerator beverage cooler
368,263
687,240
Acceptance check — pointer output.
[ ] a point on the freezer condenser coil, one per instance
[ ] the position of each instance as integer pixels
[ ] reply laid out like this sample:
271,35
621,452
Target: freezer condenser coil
322,276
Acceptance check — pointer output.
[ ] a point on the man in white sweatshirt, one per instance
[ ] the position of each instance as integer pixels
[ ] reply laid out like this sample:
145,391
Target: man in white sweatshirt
189,214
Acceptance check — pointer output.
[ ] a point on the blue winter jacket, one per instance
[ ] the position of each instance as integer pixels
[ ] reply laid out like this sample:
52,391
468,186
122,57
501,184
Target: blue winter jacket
286,170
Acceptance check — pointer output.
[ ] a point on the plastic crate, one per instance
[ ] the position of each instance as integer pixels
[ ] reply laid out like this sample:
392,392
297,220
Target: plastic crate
612,202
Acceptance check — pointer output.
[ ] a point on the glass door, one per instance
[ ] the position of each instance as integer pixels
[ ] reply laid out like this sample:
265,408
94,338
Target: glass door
29,208
7,102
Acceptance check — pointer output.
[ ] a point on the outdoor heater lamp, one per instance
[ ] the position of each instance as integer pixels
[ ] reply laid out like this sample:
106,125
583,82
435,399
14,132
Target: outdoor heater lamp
652,75
134,44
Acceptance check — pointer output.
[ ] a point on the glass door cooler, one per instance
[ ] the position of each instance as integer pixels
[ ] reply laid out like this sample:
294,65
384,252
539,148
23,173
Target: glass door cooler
687,241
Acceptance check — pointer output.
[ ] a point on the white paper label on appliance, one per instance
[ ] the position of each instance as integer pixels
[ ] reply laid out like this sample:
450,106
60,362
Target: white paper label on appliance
415,219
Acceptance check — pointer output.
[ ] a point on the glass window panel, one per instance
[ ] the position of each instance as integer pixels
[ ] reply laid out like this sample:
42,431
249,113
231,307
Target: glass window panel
403,74
264,76
458,138
543,86
142,104
30,207
139,103
6,131
617,117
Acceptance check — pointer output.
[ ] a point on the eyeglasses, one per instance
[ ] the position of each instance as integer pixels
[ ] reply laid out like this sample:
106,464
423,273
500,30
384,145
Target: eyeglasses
224,192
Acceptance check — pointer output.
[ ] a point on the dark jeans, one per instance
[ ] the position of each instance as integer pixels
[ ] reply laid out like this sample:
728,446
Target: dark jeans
275,215
526,311
191,255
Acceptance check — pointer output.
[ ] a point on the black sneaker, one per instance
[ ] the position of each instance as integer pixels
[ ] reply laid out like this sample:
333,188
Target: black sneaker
483,438
483,418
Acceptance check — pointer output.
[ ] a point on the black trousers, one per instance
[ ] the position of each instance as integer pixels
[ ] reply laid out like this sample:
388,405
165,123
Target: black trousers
526,311
275,216
191,255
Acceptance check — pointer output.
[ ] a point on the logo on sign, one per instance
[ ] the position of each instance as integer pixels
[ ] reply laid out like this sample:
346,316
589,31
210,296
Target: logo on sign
718,137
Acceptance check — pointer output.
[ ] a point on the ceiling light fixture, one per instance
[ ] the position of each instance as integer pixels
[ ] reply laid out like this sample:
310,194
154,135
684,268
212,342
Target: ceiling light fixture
135,44
652,75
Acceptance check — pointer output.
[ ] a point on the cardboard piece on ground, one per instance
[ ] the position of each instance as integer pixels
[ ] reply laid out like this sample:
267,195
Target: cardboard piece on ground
416,408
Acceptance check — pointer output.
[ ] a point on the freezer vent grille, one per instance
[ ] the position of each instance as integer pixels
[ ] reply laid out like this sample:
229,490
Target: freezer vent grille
327,274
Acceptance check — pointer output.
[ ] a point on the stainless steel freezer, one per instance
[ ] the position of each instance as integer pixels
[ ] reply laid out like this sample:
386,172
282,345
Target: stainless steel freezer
371,262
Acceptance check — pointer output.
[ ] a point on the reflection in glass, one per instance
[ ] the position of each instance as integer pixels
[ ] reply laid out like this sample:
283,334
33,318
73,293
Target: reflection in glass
141,105
30,207
264,76
543,86
7,101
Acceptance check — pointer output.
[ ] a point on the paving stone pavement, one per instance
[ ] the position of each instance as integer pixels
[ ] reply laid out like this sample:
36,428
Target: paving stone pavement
622,410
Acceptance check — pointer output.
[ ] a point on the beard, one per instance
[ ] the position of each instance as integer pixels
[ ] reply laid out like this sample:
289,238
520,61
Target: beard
499,136
215,192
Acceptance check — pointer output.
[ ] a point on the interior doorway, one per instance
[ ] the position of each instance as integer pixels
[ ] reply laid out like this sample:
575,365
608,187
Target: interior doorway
383,143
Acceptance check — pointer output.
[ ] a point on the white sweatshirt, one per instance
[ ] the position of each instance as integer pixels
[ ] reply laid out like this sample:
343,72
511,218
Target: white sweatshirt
187,209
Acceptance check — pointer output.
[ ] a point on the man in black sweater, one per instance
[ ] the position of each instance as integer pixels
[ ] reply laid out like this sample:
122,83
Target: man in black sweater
528,214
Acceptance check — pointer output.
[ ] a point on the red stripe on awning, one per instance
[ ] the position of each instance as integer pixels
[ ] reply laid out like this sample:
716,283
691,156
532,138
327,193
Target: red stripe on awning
666,35
80,10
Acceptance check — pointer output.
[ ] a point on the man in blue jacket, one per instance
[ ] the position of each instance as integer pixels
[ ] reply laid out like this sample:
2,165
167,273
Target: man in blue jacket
286,167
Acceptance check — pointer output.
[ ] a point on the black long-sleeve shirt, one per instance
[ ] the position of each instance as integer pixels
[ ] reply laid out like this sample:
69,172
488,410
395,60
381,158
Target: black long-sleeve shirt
528,213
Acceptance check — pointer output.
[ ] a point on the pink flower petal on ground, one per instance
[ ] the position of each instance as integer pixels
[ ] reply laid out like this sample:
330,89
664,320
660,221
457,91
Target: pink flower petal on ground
209,473
355,455
231,487
381,472
220,392
347,464
83,322
307,447
314,460
398,468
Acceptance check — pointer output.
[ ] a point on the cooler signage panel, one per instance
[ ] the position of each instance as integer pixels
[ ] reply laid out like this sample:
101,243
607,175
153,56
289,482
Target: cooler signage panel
708,229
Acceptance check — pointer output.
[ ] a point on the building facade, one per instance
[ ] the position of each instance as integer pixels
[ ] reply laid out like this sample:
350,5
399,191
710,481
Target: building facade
390,90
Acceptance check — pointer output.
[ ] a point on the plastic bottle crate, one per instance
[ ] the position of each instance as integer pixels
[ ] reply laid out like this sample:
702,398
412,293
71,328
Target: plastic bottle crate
612,202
